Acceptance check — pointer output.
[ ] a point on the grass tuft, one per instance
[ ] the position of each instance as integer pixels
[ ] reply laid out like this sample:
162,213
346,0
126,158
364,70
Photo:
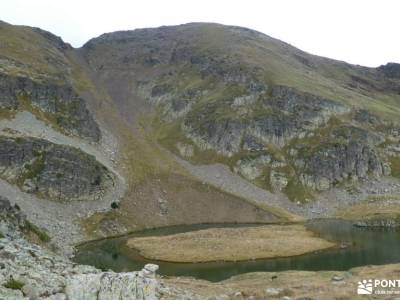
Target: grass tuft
14,284
41,234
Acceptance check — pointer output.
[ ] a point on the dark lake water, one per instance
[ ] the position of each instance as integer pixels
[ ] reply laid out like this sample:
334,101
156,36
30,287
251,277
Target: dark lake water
365,246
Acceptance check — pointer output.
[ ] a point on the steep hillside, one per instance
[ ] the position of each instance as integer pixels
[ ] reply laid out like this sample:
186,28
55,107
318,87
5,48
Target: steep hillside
283,119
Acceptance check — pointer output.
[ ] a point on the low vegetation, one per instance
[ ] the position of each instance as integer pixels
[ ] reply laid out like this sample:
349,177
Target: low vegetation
41,234
395,166
374,208
14,284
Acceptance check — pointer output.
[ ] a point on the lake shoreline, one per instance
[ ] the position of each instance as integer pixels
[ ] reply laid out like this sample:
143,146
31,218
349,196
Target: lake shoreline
353,245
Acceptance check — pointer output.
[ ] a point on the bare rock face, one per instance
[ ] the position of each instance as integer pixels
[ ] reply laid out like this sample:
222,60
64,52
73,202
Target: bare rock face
11,217
8,100
332,165
293,114
223,136
57,171
60,101
352,157
391,70
286,114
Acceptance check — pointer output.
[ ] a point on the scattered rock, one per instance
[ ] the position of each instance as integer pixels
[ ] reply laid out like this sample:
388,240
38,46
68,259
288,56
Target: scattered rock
273,291
337,278
278,180
252,168
185,150
150,270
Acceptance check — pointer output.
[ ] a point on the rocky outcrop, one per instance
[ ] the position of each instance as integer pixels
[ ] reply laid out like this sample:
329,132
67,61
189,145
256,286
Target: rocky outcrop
349,154
278,180
391,70
365,117
285,114
11,218
293,114
57,171
29,272
56,41
41,274
224,136
252,168
61,102
140,285
8,99
335,163
281,117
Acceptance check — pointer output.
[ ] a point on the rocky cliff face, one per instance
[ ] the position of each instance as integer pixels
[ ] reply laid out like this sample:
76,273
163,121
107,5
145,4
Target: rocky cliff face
391,70
272,119
64,108
55,171
283,138
352,155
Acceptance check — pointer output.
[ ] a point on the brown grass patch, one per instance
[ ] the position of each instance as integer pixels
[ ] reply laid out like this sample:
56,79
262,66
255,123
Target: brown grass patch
230,244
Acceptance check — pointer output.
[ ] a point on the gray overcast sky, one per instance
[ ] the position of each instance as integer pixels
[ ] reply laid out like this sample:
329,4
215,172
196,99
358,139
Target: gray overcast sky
361,32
